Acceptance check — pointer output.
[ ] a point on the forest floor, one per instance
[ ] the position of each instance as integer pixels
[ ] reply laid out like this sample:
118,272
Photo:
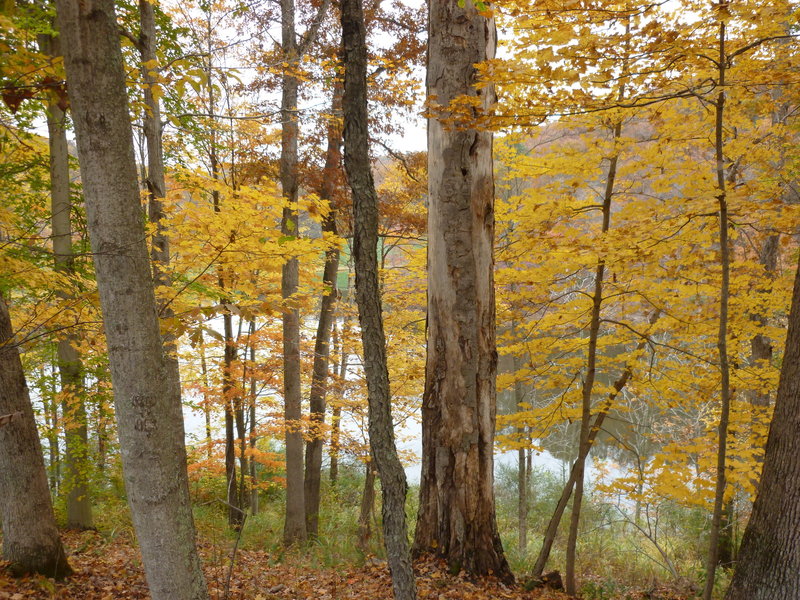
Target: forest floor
107,569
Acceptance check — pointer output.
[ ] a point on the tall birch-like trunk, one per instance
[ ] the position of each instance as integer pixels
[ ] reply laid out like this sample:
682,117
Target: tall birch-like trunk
149,414
70,367
319,375
365,247
30,536
457,509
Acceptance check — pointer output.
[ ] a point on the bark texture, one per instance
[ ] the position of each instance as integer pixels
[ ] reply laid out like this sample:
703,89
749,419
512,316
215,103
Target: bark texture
365,243
768,565
155,182
322,349
294,529
150,420
30,535
457,510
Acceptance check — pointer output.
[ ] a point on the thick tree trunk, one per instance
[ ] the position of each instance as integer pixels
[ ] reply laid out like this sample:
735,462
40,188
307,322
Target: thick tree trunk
78,500
457,512
365,244
319,375
30,535
294,529
149,415
768,565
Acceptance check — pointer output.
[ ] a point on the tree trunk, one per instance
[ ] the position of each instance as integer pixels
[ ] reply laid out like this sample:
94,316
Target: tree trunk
365,243
319,375
366,510
722,337
149,414
336,414
523,473
253,438
52,421
206,399
30,535
294,529
230,394
768,565
457,512
155,180
588,381
70,367
583,452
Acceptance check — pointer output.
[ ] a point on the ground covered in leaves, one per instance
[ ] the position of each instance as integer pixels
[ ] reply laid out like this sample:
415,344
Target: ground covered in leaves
106,569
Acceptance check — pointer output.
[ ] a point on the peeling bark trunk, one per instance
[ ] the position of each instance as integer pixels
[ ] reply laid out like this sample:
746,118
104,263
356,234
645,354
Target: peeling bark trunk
768,565
457,511
149,414
365,243
319,375
30,535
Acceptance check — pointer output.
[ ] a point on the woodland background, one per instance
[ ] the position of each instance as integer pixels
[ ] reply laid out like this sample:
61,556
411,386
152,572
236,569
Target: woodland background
631,336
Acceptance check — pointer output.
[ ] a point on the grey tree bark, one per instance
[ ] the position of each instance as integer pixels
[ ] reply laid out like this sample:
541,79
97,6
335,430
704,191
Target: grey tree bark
70,367
149,415
457,510
155,181
30,536
365,247
319,374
